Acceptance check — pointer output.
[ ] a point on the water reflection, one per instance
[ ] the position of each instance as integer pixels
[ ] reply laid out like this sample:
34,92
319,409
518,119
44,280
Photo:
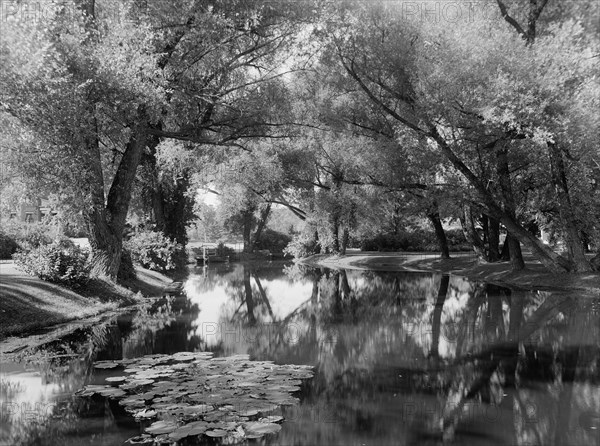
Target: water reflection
401,358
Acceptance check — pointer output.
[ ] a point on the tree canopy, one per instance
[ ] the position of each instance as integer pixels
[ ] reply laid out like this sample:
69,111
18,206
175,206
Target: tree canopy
352,115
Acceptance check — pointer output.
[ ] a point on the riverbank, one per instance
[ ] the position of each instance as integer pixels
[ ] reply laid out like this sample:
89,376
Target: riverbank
535,275
29,304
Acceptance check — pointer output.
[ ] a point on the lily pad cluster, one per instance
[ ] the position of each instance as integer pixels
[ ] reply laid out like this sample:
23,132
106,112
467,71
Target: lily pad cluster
193,394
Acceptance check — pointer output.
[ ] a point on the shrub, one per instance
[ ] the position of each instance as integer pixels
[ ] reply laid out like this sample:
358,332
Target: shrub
30,235
60,262
155,251
302,245
272,240
35,238
416,240
223,251
8,245
386,242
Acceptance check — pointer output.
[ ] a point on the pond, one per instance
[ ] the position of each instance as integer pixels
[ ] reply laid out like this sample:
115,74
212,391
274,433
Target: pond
399,358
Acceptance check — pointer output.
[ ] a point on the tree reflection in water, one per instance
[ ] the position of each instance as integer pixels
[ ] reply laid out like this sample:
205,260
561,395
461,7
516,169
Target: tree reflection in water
46,412
405,358
401,358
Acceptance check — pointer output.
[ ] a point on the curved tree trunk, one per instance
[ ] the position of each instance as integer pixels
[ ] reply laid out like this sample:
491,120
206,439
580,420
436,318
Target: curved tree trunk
264,217
508,204
551,260
106,222
436,222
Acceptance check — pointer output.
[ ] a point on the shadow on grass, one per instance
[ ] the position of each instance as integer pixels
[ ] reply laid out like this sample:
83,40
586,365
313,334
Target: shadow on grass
28,303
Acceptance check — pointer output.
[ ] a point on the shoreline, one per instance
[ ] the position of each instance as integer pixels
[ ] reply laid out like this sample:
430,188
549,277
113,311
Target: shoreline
534,276
31,307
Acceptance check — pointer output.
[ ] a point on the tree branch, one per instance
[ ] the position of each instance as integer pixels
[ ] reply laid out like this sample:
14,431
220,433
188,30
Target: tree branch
512,22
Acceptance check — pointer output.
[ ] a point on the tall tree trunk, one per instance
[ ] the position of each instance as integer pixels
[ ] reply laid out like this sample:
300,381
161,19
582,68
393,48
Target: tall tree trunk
178,208
508,203
483,220
505,251
106,223
247,216
567,215
468,227
171,208
493,239
264,216
152,187
345,239
158,208
436,222
317,244
335,233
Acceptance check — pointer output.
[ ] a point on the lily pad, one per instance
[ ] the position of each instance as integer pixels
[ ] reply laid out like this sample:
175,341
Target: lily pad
106,364
216,433
112,393
271,419
116,379
194,394
145,413
162,427
258,428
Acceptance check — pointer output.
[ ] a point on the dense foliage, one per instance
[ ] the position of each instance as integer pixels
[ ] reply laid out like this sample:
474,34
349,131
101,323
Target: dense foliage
350,116
273,241
223,250
59,262
303,245
416,240
153,250
8,245
30,235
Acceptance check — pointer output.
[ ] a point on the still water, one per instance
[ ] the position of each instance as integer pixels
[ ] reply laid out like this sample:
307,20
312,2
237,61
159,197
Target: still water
400,359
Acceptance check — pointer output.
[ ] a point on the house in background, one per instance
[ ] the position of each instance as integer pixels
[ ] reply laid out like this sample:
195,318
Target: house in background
33,212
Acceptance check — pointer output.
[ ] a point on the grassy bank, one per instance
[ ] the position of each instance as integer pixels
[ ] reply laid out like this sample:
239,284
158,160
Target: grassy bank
535,275
28,304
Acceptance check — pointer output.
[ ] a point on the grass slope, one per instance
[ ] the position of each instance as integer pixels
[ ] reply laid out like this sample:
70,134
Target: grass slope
28,303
